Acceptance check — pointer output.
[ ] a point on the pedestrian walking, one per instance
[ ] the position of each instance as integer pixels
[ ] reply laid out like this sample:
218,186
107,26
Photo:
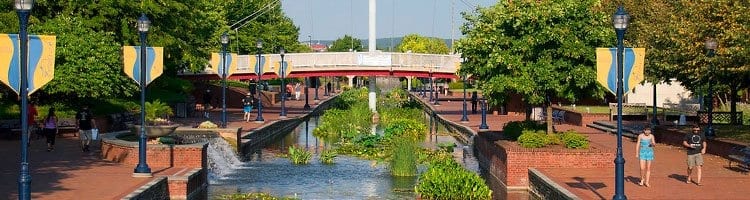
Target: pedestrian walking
695,142
85,123
297,90
207,103
645,149
474,102
50,128
247,103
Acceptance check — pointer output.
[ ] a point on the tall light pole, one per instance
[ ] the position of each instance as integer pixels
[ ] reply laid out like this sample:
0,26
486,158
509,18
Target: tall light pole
317,85
654,120
431,82
259,46
464,117
620,21
23,9
307,101
224,42
711,45
142,169
483,126
282,114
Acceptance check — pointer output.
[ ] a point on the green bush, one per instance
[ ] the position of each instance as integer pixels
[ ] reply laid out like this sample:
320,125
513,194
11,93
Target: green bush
458,85
446,179
513,130
252,196
327,156
389,115
446,146
404,160
407,129
299,156
533,139
574,140
415,83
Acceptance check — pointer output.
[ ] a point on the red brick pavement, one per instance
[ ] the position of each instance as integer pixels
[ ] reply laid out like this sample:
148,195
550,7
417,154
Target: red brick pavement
69,173
667,176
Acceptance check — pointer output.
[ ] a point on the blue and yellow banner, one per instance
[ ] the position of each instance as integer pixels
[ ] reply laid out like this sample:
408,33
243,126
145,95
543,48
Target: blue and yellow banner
154,62
216,62
285,70
41,61
262,63
632,71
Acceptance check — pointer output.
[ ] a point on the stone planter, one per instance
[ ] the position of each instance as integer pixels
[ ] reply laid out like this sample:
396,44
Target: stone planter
155,131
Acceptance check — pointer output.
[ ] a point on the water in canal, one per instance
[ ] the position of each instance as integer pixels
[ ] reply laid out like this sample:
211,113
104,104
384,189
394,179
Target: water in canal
348,178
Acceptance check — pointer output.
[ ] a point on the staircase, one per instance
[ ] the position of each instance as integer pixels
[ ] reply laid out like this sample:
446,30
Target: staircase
629,129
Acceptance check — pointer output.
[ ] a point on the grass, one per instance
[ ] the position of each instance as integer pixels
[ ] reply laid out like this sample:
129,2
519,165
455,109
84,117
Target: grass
591,109
736,133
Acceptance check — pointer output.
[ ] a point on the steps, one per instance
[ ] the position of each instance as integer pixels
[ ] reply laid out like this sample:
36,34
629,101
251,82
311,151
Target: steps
629,130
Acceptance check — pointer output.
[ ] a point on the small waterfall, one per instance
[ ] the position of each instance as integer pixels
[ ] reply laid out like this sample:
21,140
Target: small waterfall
222,159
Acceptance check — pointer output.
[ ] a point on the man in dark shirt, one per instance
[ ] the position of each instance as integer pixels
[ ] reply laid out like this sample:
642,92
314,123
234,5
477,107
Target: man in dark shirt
696,147
474,101
207,103
84,123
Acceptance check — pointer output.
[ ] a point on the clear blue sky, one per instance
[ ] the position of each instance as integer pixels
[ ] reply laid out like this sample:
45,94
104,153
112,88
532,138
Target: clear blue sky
332,19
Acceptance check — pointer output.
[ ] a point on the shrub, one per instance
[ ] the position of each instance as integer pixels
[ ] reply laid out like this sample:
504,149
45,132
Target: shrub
446,179
404,160
533,139
407,129
458,85
513,130
574,140
327,156
299,156
252,196
207,124
446,146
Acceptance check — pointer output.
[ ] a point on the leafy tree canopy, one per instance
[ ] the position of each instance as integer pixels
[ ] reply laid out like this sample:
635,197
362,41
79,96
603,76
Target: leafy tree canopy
537,49
346,43
416,43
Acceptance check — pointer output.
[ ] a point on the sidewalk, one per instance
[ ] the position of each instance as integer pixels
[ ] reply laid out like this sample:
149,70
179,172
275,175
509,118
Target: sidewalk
667,175
69,173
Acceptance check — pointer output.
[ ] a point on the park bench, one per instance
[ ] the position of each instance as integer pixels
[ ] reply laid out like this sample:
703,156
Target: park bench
741,156
674,111
628,109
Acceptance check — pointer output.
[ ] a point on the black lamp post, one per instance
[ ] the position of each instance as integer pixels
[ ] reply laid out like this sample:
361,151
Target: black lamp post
23,9
483,126
224,42
259,45
142,169
711,45
654,120
620,21
464,117
282,114
431,82
307,101
317,85
437,101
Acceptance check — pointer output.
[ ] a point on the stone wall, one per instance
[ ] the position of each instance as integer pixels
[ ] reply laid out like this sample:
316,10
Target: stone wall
510,162
545,188
674,136
154,190
192,184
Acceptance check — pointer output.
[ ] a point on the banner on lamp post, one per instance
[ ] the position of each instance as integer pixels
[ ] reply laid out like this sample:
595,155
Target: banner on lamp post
132,61
217,63
41,61
286,70
606,68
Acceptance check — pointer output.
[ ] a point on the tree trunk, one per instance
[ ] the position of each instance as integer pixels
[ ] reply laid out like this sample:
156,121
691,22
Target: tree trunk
733,107
549,118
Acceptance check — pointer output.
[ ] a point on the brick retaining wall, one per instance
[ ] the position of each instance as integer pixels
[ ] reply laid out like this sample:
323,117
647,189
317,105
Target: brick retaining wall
157,155
545,188
510,162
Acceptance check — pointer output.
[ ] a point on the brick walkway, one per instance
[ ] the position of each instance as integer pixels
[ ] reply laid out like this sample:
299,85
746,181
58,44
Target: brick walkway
68,173
668,169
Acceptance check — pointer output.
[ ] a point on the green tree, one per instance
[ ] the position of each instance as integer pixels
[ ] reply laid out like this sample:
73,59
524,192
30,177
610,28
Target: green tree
538,49
346,43
266,22
416,43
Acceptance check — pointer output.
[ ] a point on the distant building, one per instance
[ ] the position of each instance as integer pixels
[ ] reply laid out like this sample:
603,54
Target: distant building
319,47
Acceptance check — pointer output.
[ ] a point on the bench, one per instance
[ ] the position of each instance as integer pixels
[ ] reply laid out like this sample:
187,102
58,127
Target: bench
677,110
741,156
628,109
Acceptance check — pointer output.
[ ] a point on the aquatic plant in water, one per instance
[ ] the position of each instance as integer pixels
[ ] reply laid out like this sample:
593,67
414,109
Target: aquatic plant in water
299,156
327,156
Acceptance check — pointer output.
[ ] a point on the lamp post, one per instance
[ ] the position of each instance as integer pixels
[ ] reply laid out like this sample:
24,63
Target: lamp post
325,87
23,9
620,21
711,45
224,42
307,100
259,46
422,88
431,82
142,169
483,126
464,117
437,101
282,114
654,120
317,85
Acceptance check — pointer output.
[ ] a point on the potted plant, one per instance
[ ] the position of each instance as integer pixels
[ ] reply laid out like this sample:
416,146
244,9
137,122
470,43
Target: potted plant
157,120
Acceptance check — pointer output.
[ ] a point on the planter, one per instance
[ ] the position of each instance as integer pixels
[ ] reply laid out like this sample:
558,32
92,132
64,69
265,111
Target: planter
155,131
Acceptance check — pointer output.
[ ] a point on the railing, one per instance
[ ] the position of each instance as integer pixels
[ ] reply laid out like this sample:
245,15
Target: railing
720,117
301,62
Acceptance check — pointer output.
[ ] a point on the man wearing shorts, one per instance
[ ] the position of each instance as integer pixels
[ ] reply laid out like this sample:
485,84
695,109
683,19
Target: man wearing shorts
84,123
695,142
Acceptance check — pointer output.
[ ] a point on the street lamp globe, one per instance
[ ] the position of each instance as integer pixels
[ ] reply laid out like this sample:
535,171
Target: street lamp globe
711,44
621,19
24,5
259,44
282,51
143,23
224,38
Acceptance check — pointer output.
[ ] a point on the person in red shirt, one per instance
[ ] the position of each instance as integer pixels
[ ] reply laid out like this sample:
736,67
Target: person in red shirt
32,113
